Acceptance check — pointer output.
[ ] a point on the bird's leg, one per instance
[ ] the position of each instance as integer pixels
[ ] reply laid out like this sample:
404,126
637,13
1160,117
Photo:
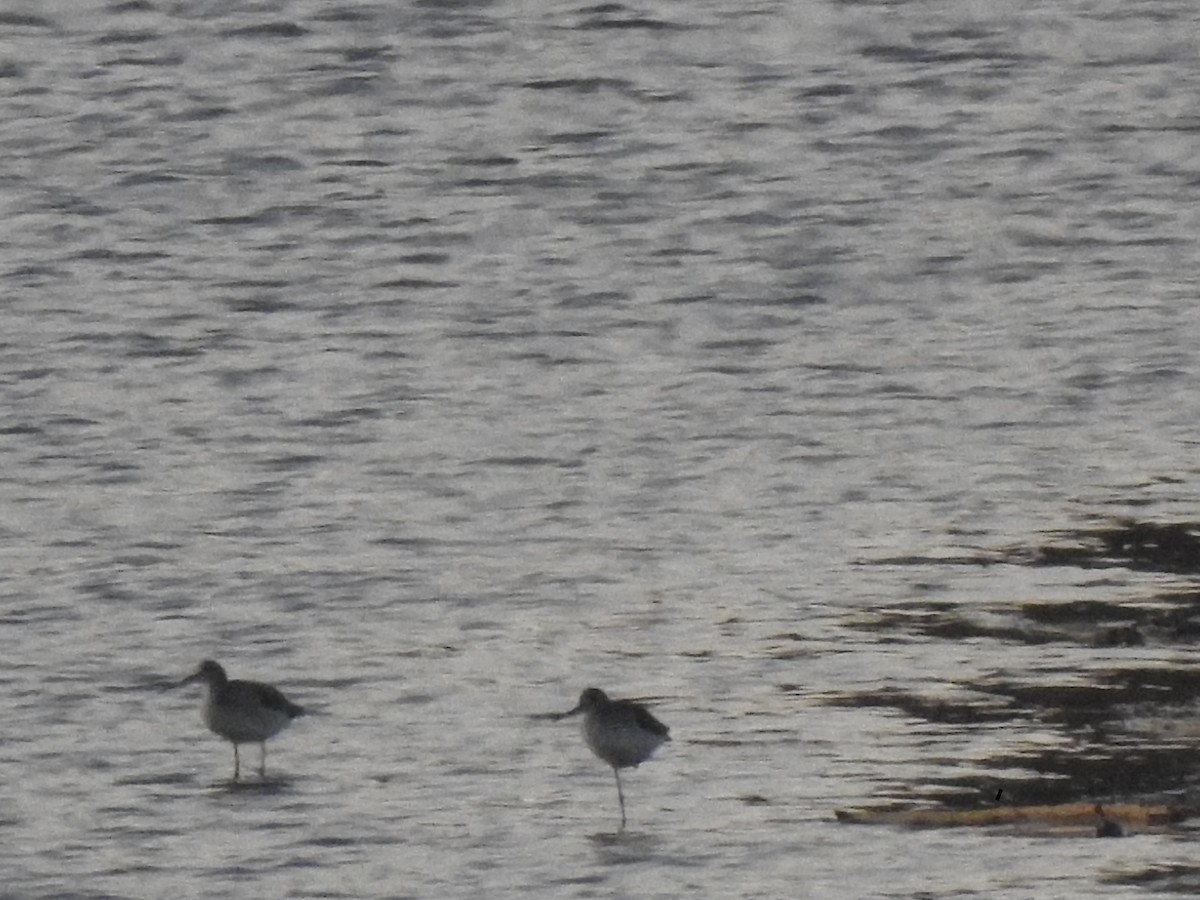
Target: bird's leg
236,763
620,796
262,760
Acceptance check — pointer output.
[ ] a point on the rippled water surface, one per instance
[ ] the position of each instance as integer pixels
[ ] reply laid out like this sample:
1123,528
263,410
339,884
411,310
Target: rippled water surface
781,364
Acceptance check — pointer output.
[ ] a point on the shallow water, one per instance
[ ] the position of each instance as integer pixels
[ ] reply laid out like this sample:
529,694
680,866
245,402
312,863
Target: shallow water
435,361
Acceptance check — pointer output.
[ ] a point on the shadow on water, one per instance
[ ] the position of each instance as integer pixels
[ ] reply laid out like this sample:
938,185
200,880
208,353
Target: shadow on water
621,838
1144,546
244,787
1169,879
1126,729
1172,547
628,846
266,786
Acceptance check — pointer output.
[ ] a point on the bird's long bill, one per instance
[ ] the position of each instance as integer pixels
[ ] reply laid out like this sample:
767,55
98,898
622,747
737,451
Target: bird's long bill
191,679
568,713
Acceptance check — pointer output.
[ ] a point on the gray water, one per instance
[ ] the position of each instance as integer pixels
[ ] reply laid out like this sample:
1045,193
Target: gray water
435,360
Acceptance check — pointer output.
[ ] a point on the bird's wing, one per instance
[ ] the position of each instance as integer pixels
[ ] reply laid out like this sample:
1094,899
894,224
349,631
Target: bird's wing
272,698
646,720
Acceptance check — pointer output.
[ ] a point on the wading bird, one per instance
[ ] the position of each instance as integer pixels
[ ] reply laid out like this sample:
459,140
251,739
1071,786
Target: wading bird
620,732
242,712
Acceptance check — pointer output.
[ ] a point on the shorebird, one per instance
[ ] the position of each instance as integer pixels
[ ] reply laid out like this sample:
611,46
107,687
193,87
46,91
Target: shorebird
620,732
242,712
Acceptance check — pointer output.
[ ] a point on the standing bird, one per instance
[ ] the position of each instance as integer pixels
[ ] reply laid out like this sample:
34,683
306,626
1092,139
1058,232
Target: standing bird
620,732
242,712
